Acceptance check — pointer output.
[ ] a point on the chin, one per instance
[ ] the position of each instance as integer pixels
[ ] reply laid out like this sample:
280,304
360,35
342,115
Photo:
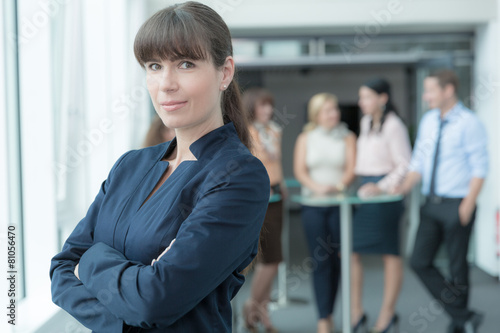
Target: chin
174,121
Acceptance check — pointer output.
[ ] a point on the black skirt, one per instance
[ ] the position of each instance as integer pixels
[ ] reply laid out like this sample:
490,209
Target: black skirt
376,226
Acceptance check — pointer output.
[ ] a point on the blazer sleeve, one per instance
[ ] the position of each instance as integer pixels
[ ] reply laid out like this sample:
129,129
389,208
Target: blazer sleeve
67,291
218,239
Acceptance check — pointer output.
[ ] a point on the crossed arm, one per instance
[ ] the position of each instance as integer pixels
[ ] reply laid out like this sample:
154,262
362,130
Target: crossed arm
218,238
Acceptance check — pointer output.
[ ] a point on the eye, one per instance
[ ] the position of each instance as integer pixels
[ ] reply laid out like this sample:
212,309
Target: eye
186,65
154,67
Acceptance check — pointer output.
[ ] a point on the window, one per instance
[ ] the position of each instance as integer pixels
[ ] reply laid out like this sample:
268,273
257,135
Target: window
72,100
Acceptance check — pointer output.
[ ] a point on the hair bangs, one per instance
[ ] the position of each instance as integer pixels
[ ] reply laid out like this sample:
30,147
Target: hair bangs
171,35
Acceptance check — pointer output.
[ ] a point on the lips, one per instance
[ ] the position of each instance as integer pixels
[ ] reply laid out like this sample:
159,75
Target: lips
173,105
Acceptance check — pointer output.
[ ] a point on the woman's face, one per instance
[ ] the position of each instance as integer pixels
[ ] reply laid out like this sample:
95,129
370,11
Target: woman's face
329,115
187,93
370,102
263,112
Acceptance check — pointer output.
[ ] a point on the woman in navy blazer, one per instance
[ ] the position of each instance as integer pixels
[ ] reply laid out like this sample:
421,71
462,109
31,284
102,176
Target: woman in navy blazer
119,270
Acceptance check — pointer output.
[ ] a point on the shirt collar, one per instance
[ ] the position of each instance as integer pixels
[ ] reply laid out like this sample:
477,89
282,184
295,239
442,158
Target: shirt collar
207,144
455,110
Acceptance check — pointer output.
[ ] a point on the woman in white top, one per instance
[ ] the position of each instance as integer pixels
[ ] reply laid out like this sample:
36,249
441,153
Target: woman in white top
324,162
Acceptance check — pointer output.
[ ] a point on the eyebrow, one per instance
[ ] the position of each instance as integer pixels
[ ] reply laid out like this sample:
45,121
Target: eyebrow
152,60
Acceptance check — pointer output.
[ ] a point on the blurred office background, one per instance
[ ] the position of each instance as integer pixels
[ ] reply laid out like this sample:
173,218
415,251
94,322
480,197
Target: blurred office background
73,99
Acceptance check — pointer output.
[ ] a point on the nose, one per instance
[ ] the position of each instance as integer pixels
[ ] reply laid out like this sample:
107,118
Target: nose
168,80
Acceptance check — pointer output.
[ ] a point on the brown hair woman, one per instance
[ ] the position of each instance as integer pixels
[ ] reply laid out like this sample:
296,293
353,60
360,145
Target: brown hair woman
120,269
266,135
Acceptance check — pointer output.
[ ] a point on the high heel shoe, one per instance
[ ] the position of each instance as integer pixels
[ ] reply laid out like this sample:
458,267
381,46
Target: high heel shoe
393,323
362,322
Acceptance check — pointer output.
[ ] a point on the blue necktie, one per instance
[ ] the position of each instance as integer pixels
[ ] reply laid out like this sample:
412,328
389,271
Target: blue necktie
432,190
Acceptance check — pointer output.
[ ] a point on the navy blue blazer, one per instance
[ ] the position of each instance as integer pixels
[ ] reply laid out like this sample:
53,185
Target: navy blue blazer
214,208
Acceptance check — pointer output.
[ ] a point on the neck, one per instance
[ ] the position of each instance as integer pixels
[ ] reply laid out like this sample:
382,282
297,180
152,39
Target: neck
187,136
377,116
261,123
447,107
328,128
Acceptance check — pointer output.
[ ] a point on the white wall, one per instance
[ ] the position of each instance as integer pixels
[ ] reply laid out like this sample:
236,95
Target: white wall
486,97
342,16
326,13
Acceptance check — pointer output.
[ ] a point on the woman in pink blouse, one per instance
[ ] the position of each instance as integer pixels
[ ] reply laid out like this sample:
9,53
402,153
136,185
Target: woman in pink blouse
383,155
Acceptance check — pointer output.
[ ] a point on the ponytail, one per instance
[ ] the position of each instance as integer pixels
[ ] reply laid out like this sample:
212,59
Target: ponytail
232,112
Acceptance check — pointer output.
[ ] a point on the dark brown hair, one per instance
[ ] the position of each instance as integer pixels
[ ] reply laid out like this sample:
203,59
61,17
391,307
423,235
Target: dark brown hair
193,31
382,86
253,96
446,77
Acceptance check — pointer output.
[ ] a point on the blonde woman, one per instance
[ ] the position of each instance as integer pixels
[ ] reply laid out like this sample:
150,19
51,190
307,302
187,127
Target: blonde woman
324,161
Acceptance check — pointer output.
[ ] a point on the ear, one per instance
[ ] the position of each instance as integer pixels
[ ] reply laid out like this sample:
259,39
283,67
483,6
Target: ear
227,73
449,91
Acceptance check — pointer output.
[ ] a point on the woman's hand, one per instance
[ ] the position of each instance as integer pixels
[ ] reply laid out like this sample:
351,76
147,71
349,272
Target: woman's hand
168,248
369,190
321,189
76,271
397,190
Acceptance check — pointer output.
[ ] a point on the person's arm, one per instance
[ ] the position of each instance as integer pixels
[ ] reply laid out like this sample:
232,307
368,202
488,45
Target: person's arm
412,178
416,167
68,292
218,239
301,171
400,152
258,149
350,161
476,149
